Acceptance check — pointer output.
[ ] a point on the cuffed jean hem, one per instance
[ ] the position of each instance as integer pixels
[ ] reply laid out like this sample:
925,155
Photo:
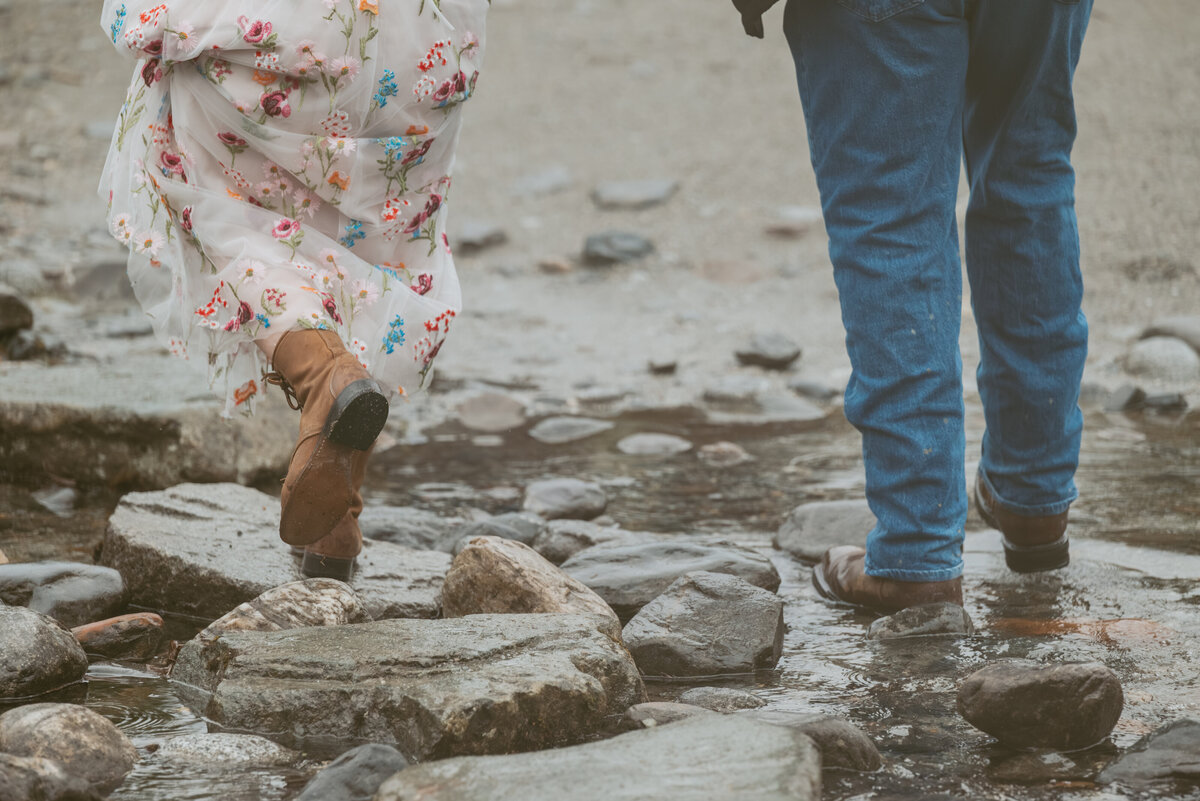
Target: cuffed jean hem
944,574
1042,510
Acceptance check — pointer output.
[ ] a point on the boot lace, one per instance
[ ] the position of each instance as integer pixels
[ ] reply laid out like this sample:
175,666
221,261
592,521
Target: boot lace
278,380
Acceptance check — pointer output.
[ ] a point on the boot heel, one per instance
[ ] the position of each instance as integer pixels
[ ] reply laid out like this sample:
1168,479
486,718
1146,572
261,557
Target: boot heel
1037,558
358,415
334,567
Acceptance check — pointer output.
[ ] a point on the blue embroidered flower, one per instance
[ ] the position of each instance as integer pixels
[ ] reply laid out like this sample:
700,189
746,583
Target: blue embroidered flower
393,147
118,24
354,232
395,335
264,319
387,88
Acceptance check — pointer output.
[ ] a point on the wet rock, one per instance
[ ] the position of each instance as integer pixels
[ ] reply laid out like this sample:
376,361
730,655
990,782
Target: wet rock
629,576
203,549
842,744
706,624
1125,398
561,430
615,247
772,351
295,605
226,750
492,412
724,454
23,276
773,407
434,688
83,742
813,390
70,592
411,527
497,576
926,620
1165,402
476,235
659,713
547,181
794,221
1038,768
687,761
355,775
37,654
1025,704
562,539
30,778
653,445
135,422
1171,752
721,699
662,366
1185,327
813,528
736,389
572,498
518,526
58,500
633,195
1164,359
132,637
15,314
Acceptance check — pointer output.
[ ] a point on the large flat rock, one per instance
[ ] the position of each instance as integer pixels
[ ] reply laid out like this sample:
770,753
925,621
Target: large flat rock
482,684
203,549
146,422
700,759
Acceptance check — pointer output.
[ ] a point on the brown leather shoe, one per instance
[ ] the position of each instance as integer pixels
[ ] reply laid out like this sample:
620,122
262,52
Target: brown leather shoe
332,556
342,411
842,577
1031,544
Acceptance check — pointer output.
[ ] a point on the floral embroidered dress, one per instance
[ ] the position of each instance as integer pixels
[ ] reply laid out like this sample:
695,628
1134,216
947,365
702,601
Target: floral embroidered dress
285,164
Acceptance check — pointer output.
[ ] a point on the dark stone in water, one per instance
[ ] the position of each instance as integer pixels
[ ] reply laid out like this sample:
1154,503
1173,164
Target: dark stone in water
630,576
926,620
842,744
355,775
1038,768
29,778
707,624
1170,753
1025,704
72,593
721,699
135,636
37,655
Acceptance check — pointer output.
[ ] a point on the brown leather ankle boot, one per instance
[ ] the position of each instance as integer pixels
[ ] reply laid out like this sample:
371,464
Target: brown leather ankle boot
342,411
842,577
332,556
1031,544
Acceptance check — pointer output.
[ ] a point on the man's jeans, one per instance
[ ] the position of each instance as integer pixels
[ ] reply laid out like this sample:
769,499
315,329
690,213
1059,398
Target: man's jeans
897,93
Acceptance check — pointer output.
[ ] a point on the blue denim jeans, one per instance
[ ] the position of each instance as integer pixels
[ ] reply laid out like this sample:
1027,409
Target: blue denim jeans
897,94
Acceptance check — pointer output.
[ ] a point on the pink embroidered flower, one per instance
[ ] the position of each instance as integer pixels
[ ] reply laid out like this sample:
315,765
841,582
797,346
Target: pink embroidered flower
254,32
171,163
275,104
331,308
365,292
185,219
444,92
230,139
417,153
346,67
285,229
149,243
422,284
244,315
151,71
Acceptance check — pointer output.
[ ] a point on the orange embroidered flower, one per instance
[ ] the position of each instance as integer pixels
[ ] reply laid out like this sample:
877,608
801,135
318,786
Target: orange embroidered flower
233,194
339,180
417,130
369,6
245,392
264,78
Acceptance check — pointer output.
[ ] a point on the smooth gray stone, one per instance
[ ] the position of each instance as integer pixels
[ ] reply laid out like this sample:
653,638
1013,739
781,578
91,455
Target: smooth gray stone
491,412
72,593
813,528
842,744
1185,327
570,498
926,620
37,655
226,750
707,624
134,637
1030,705
355,775
705,759
1166,402
15,314
1171,752
411,527
522,527
813,390
547,181
561,430
295,605
476,235
659,713
29,778
615,247
1164,359
562,539
630,576
82,741
434,688
736,389
203,549
771,351
724,454
653,445
634,195
721,699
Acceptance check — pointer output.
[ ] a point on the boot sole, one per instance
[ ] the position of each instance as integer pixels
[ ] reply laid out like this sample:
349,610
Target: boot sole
1028,558
315,565
358,415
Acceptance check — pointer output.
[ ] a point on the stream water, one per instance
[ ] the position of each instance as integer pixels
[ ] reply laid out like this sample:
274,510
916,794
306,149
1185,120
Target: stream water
1129,598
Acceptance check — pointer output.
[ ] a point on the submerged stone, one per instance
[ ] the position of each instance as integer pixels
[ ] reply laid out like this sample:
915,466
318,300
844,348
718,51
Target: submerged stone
434,688
721,699
842,744
926,620
561,430
1170,753
710,757
226,750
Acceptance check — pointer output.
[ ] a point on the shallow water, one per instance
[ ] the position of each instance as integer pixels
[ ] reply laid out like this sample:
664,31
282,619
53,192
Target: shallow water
1129,598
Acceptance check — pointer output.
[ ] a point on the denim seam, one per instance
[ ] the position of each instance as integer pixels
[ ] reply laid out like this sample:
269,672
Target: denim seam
942,574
